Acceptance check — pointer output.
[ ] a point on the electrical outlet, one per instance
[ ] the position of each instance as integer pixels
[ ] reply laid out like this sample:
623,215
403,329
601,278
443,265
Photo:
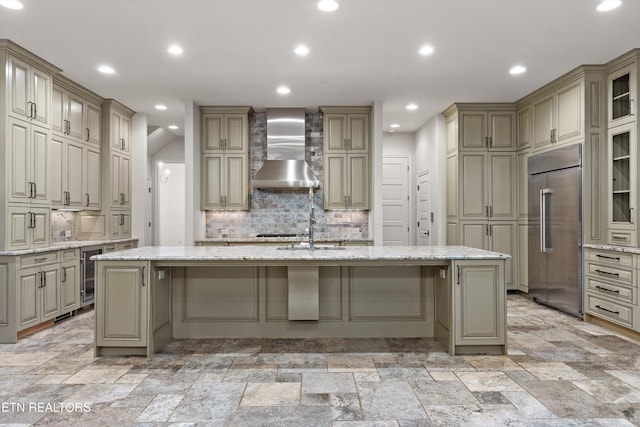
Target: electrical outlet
443,273
67,233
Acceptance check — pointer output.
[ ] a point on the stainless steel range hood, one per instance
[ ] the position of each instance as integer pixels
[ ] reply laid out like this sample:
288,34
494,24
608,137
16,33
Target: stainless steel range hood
285,166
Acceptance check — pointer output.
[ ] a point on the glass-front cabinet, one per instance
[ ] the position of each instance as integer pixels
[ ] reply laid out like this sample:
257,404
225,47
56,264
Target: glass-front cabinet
622,184
622,95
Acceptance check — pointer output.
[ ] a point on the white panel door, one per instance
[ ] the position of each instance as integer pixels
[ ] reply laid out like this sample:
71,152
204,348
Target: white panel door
395,201
425,218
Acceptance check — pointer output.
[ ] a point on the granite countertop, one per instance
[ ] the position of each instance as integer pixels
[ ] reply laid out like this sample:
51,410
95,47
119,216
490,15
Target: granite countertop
257,253
65,245
317,238
625,249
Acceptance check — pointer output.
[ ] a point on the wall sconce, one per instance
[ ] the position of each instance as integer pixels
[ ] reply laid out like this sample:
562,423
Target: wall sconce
167,172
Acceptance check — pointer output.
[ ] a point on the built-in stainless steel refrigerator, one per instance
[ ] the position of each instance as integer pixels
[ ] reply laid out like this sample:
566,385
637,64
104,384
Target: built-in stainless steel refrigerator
555,228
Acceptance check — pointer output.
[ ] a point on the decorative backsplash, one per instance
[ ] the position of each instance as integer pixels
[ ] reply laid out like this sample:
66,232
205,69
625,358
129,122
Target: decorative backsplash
63,226
287,211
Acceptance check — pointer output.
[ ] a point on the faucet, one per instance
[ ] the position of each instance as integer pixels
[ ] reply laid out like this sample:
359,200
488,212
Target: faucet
312,218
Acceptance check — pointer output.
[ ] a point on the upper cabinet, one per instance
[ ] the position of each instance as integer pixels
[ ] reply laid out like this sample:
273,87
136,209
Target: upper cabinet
558,116
622,95
346,132
346,129
120,132
225,158
28,92
487,130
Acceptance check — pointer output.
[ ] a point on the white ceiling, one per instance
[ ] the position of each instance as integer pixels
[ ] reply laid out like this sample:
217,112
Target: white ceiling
237,52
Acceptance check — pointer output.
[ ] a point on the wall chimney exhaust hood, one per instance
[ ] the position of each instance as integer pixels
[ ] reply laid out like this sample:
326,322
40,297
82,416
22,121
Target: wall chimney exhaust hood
285,166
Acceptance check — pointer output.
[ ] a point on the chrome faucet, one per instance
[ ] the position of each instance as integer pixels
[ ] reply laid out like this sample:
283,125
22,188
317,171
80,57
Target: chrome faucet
312,218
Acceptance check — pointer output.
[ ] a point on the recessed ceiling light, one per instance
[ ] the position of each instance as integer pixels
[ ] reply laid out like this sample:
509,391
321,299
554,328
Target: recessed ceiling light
301,50
608,5
412,107
517,69
283,90
161,107
173,127
328,5
11,4
106,69
175,49
426,50
394,125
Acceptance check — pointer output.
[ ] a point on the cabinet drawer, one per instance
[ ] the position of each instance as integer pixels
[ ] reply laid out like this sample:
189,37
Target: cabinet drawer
611,290
621,237
125,245
610,257
70,254
608,272
38,259
617,313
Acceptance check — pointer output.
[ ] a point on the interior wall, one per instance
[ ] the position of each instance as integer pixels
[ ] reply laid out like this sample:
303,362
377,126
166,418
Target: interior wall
402,144
430,154
194,217
139,191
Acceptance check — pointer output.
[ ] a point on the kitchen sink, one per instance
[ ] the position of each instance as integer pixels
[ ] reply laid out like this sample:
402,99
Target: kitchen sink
305,247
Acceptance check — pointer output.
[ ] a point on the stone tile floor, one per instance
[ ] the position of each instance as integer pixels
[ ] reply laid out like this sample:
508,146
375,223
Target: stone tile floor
559,372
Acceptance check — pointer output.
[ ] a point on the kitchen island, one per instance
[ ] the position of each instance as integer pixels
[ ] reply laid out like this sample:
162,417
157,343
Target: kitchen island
147,296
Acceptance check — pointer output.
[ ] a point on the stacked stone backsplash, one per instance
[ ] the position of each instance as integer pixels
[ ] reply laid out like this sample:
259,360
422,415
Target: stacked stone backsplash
287,211
63,226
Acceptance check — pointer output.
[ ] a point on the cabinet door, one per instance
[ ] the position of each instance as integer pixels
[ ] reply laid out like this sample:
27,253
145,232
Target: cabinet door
473,129
125,133
236,127
116,225
122,298
622,95
74,173
473,182
212,132
502,130
236,182
125,181
524,128
92,181
501,191
29,283
335,132
20,185
212,180
116,139
39,164
452,187
523,258
56,190
116,166
502,238
50,293
335,179
452,134
58,110
41,96
75,115
622,177
19,102
479,303
542,122
569,122
40,233
93,122
358,130
523,184
474,235
125,225
69,286
358,191
18,221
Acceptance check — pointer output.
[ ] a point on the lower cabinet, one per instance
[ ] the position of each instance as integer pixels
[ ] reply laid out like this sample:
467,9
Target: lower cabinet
38,295
122,293
70,283
479,303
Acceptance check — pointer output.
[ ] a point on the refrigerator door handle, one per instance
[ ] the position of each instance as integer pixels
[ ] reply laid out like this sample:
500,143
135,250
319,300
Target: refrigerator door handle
543,220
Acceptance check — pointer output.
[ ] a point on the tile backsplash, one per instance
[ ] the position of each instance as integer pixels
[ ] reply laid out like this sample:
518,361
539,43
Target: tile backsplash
287,211
63,226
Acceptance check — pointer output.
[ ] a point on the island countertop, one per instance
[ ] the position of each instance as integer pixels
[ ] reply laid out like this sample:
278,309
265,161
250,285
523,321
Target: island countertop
278,254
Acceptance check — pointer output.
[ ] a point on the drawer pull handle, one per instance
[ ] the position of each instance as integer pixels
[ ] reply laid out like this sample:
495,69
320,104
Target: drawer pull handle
608,290
619,238
608,257
617,313
40,259
606,272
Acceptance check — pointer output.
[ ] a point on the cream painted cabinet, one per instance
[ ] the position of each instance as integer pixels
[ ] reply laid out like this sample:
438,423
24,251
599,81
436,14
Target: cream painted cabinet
622,100
497,236
487,130
29,92
27,163
120,132
522,267
122,293
479,303
120,180
523,183
346,129
558,117
38,295
120,224
346,132
68,114
93,124
225,158
70,285
27,227
92,166
225,129
524,127
75,174
487,186
623,186
225,182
